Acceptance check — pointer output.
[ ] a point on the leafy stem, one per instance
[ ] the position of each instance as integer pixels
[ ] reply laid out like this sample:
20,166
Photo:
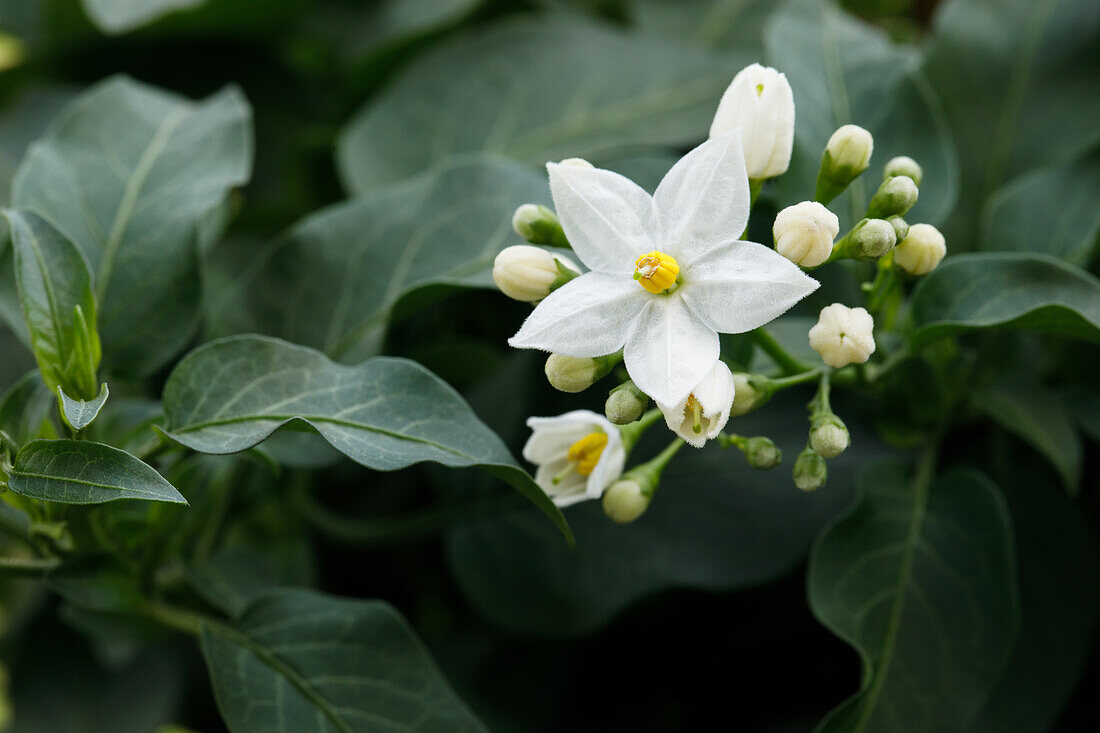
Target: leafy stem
788,363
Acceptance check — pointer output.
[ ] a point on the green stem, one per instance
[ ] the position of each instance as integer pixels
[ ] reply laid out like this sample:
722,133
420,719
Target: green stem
633,432
778,354
819,405
26,567
179,619
795,379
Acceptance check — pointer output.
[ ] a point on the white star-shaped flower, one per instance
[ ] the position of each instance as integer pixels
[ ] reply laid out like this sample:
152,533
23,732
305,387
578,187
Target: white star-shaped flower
668,271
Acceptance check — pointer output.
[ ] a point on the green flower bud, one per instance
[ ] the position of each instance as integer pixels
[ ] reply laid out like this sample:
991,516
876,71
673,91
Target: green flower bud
901,227
846,156
903,165
750,391
626,500
870,239
539,225
625,404
810,471
576,374
762,453
894,197
828,435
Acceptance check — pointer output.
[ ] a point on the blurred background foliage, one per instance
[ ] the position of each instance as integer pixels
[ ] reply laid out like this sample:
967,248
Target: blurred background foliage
371,119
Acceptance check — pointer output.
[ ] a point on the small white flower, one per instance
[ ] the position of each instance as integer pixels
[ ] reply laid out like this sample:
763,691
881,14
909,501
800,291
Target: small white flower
843,335
703,413
804,233
760,102
668,272
851,147
921,251
578,454
527,273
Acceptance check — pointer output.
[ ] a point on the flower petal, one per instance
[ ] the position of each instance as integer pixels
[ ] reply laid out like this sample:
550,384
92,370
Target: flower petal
610,466
743,285
670,350
609,220
704,200
591,315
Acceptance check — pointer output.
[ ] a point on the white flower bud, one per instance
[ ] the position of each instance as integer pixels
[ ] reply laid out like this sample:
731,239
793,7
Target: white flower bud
749,393
625,501
921,250
903,165
871,239
810,471
527,273
762,453
804,233
539,225
703,413
850,147
843,335
760,102
894,197
576,374
829,435
576,162
524,219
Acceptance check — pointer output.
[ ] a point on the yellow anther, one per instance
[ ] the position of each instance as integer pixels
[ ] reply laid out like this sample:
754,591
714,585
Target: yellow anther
586,452
656,271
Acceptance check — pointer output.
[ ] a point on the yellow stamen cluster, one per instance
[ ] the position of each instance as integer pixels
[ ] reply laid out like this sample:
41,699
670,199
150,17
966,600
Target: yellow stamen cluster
586,452
656,271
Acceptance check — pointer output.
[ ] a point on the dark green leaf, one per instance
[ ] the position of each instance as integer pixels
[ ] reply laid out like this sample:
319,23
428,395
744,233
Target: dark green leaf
1052,211
843,71
1037,415
333,280
236,575
54,286
82,472
1017,81
120,16
734,27
301,661
131,173
79,414
920,579
534,90
385,414
25,410
96,582
1009,290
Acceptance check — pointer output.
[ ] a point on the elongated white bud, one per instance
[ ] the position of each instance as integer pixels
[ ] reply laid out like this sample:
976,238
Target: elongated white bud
527,273
760,102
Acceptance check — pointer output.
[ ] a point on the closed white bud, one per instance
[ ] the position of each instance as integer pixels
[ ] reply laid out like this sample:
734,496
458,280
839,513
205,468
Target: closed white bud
829,435
577,373
921,251
850,147
525,218
749,393
527,273
843,335
901,227
871,239
576,162
894,197
804,233
625,501
903,165
760,102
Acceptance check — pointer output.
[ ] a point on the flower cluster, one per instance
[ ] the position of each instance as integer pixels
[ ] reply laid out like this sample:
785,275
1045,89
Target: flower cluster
665,274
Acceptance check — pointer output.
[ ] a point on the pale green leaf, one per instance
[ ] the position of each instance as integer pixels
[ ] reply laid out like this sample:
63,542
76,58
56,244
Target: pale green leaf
332,281
79,414
304,662
920,579
120,16
1011,290
534,90
130,173
83,472
385,414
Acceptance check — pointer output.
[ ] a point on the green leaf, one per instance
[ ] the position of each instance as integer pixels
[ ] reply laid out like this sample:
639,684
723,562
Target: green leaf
26,409
1017,80
734,27
237,575
385,414
120,16
58,304
130,174
96,582
715,524
919,577
844,71
79,414
534,90
303,661
1008,290
1038,416
82,472
333,280
1052,211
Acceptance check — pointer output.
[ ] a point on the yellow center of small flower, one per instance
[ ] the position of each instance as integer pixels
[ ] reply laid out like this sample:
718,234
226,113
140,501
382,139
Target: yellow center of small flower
656,271
586,452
